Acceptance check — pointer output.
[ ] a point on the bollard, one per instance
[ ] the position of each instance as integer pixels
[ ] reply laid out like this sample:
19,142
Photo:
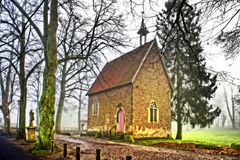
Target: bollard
128,157
65,150
98,154
78,153
52,146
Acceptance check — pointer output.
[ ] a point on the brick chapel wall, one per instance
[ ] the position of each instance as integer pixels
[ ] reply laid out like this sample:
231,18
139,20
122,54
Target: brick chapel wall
109,103
151,84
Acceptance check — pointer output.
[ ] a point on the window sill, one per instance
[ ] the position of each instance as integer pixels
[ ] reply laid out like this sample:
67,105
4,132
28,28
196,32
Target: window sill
153,122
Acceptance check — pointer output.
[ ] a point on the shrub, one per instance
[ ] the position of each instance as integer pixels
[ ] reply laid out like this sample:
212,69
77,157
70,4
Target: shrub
122,136
129,138
98,135
235,145
91,133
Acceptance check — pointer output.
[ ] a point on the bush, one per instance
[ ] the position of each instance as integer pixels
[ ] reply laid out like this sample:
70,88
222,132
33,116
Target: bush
129,138
122,137
99,135
91,133
235,145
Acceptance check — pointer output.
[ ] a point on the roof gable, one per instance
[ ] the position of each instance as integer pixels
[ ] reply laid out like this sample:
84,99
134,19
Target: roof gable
122,70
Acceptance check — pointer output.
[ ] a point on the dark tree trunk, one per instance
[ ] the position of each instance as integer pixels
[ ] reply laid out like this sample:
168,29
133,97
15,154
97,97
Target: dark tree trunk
22,110
178,102
6,117
233,113
23,91
179,124
179,115
61,99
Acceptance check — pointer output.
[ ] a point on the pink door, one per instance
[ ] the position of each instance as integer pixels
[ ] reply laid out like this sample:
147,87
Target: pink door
120,121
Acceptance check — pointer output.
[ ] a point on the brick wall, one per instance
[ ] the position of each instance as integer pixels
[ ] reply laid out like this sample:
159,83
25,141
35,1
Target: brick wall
109,103
151,85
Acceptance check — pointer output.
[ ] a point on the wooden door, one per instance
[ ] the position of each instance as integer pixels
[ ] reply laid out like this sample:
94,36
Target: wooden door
121,121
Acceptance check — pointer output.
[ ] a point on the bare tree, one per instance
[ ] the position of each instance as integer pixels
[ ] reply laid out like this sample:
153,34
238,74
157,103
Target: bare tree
7,81
88,38
223,117
230,109
49,42
48,39
225,14
24,46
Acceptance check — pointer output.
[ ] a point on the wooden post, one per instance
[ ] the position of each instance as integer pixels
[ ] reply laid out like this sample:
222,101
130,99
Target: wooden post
78,153
52,146
65,150
98,154
128,157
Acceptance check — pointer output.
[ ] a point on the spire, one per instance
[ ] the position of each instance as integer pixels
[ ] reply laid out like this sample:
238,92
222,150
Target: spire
143,31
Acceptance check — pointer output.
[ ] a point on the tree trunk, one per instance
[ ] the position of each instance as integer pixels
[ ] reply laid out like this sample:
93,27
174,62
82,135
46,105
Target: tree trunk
179,119
5,100
179,122
6,117
23,88
22,112
61,99
47,101
80,109
178,102
233,112
38,99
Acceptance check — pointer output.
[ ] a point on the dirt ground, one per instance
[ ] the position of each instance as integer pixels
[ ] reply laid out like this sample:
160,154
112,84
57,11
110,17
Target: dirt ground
118,151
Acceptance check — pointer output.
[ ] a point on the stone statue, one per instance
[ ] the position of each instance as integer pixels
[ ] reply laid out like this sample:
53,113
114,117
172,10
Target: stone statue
31,114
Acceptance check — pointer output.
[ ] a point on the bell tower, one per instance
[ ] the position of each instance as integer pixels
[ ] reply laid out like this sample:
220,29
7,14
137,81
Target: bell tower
143,31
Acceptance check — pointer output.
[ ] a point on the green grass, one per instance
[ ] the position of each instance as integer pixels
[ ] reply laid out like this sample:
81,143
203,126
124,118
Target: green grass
219,137
200,137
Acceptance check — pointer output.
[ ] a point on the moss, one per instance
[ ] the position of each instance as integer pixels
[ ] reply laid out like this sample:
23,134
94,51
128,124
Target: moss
42,151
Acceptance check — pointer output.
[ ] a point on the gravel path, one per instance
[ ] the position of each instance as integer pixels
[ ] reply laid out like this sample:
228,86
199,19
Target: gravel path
11,150
119,151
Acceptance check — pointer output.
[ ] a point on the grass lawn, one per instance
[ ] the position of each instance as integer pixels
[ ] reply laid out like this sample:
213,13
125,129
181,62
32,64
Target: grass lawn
219,137
205,137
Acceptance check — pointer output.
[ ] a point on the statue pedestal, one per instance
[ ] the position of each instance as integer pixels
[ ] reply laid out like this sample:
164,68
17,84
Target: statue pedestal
31,134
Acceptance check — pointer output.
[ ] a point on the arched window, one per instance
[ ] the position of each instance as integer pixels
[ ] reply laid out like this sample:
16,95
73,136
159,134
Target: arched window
153,112
95,106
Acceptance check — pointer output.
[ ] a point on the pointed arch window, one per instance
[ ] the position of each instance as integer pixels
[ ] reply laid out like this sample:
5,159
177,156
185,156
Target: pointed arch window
153,112
95,106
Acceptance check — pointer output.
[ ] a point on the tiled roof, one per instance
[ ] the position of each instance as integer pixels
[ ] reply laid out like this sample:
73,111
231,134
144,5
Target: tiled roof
120,71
